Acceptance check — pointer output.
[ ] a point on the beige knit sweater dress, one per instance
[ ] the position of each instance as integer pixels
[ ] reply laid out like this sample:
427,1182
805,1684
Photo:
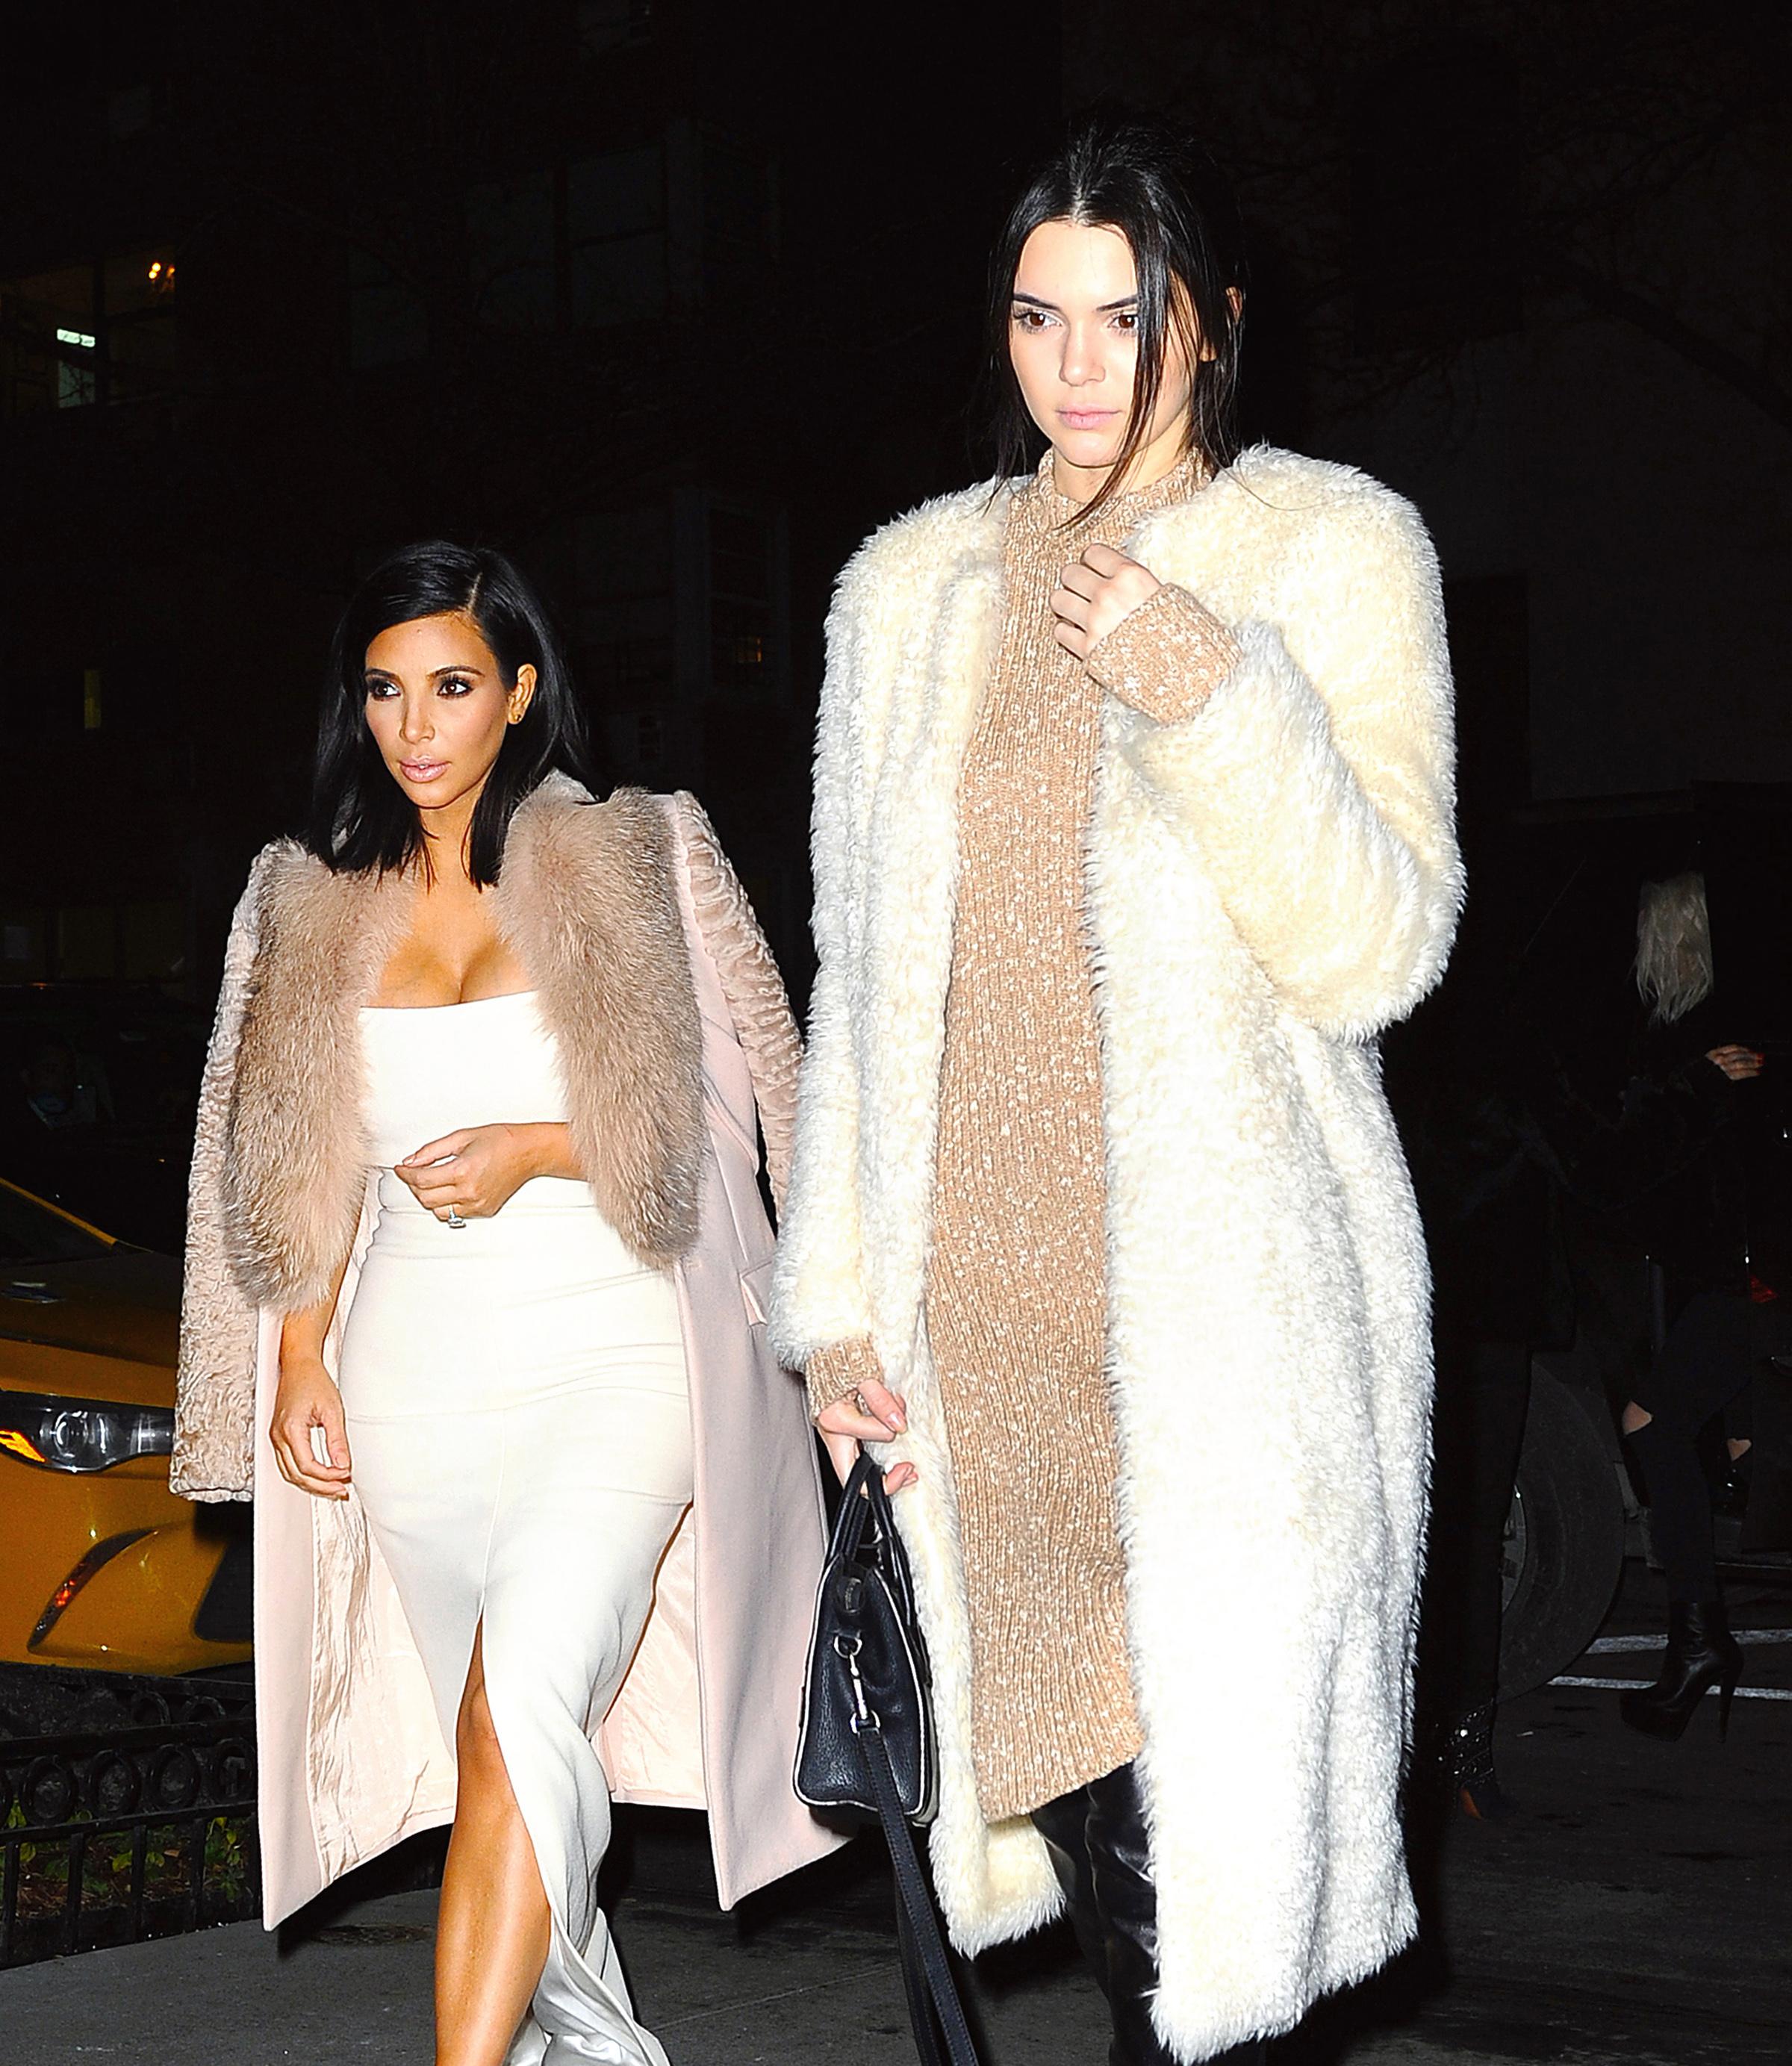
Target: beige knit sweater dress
1017,1292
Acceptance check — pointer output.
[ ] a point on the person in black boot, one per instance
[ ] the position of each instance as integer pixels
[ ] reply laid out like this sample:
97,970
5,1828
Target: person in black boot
1508,1124
1701,1654
1707,1358
1697,1229
1102,1856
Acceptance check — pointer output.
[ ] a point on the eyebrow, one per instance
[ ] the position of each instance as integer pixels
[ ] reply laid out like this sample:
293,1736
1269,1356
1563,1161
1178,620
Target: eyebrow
1106,309
386,674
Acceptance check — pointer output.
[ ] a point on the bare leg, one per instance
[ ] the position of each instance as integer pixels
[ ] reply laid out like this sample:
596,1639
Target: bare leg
492,1925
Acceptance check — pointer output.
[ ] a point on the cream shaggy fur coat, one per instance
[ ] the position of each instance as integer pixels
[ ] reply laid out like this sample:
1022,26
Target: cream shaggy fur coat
1270,883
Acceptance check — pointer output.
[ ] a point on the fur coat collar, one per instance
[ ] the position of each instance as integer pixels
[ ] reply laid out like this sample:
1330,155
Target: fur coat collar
588,900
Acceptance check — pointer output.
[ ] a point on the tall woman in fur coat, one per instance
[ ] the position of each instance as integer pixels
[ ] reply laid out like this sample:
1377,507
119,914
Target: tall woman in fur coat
475,1302
1133,828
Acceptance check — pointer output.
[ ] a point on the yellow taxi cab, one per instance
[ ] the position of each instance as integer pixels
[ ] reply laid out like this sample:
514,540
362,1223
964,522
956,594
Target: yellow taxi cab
100,1564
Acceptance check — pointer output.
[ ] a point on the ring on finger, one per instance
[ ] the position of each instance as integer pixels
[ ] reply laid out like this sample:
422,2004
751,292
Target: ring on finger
454,1219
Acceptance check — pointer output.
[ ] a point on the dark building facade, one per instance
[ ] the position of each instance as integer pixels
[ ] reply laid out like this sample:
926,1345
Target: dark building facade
648,294
1529,264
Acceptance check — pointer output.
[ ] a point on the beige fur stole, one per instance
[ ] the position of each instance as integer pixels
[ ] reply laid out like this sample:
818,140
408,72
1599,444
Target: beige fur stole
588,900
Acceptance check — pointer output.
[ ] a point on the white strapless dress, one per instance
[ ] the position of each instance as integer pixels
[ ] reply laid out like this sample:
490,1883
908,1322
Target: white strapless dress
520,1433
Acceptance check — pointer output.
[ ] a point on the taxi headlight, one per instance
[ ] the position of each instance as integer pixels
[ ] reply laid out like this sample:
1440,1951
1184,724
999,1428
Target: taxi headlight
81,1435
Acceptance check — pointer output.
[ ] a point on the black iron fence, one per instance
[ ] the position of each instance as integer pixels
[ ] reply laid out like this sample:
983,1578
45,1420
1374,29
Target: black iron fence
127,1809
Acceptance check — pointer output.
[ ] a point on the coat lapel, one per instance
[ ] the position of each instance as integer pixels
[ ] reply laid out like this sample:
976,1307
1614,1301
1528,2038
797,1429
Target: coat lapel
295,1162
910,900
589,900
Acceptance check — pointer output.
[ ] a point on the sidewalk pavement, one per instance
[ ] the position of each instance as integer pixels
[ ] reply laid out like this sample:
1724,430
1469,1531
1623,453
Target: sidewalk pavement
1637,1913
792,1988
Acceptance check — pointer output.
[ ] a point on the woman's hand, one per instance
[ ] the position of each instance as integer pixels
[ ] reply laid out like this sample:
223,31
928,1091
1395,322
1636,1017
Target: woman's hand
872,1413
477,1172
307,1398
1738,1063
1093,596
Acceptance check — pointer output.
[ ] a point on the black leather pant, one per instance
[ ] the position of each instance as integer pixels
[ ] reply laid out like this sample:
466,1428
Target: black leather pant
1101,1854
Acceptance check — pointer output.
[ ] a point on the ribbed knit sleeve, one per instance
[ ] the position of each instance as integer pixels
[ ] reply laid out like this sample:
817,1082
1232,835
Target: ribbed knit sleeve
1166,657
842,1367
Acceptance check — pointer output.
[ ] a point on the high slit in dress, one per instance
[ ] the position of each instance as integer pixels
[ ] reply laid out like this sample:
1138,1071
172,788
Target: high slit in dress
520,1433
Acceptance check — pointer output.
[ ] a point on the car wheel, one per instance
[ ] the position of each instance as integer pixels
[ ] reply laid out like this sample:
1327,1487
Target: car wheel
1564,1548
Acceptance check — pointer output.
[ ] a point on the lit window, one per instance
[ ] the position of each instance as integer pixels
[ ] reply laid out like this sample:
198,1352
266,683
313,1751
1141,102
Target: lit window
622,575
743,595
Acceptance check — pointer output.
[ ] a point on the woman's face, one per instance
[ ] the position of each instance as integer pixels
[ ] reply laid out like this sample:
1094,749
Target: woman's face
1073,344
437,707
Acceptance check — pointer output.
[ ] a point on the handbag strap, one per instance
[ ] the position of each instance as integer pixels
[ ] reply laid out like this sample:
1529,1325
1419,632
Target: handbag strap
934,2008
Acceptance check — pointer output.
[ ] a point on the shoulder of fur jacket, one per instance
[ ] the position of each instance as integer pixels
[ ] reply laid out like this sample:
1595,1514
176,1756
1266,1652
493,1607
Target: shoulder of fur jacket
284,872
561,820
933,536
1297,496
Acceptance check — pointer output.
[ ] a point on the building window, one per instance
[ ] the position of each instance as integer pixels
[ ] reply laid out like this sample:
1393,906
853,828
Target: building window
740,217
613,25
87,333
622,572
513,243
743,601
616,237
585,244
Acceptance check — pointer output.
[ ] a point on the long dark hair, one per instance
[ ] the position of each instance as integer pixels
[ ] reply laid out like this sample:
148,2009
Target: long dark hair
359,817
1173,205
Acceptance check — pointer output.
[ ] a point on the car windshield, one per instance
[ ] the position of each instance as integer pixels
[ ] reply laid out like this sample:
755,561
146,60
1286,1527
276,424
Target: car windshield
31,1233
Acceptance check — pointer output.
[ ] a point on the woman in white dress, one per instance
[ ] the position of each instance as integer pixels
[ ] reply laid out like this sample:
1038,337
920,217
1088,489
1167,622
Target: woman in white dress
486,1355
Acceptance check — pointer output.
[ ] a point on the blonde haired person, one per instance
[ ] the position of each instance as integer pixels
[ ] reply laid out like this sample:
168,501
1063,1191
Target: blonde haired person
1694,1225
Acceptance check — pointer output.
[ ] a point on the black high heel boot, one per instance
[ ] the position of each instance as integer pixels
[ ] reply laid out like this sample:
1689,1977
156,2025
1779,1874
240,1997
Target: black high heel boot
1701,1654
1468,1767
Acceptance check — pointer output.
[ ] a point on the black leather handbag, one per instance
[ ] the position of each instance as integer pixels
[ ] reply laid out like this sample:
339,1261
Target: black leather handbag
866,1745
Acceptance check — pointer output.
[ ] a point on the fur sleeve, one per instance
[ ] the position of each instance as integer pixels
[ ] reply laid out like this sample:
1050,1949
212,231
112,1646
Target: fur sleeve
818,1294
214,1411
750,983
1317,779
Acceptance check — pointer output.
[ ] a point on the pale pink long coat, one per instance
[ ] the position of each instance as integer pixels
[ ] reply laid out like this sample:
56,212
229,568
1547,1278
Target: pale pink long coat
350,1754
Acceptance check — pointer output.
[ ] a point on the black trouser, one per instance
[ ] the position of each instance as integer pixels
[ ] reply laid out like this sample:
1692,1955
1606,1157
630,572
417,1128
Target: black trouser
1483,1393
1102,1856
1706,1360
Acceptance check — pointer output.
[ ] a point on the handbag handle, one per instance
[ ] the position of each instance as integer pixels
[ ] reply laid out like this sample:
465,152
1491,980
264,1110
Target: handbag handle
865,1506
934,2009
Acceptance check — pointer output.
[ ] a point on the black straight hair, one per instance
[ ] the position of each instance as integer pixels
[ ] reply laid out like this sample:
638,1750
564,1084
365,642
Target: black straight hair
360,818
1173,205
